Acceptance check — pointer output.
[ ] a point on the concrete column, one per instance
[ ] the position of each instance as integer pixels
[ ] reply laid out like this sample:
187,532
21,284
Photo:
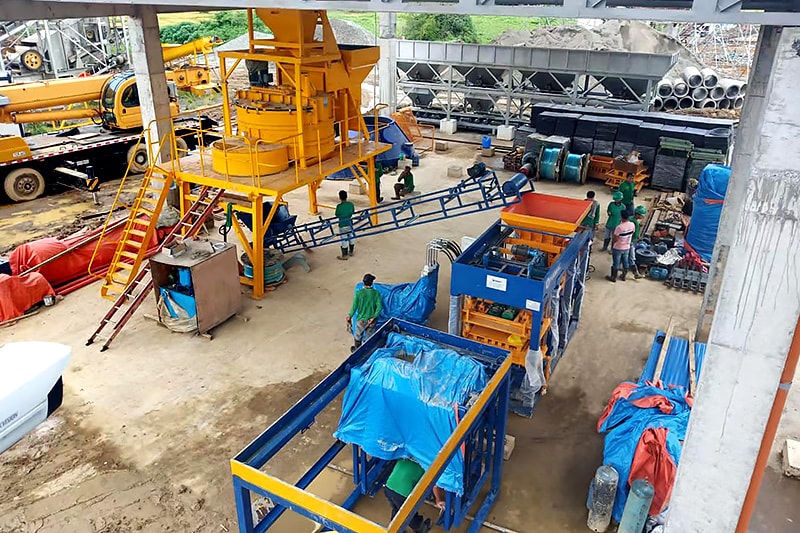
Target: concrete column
387,66
148,65
757,309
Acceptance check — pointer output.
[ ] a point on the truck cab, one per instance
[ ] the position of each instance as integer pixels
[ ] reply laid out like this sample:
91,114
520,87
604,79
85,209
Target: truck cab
119,104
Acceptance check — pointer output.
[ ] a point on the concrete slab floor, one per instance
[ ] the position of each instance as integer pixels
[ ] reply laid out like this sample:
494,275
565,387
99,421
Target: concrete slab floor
143,440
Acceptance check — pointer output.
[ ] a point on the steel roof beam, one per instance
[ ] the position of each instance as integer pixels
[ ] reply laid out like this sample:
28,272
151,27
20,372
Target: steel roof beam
717,11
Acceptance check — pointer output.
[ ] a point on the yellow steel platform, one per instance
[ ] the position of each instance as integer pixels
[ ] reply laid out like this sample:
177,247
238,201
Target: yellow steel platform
196,168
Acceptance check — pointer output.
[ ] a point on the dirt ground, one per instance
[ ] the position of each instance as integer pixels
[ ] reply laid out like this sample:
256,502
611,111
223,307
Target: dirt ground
147,429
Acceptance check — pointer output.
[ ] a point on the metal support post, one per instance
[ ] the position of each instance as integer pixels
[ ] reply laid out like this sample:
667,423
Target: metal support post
148,65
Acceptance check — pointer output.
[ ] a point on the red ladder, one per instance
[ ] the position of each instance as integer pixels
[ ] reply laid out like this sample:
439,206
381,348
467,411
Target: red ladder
192,221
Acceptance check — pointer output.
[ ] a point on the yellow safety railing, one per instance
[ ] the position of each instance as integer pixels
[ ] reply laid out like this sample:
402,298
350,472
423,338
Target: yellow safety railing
261,172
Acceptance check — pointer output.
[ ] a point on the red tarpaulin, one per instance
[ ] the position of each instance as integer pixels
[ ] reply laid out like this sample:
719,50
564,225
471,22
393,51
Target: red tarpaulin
18,294
75,264
652,461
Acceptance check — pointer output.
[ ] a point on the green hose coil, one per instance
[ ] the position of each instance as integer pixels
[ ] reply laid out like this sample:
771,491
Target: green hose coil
548,163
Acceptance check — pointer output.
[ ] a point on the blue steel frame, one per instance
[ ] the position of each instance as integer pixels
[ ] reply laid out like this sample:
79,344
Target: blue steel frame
445,203
470,277
480,434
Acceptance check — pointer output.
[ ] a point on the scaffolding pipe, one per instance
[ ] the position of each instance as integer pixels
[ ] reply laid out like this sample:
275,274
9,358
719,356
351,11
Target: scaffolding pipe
685,103
708,103
725,103
738,102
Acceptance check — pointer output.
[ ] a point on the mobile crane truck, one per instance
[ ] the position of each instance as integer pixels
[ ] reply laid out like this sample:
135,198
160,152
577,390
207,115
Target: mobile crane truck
112,103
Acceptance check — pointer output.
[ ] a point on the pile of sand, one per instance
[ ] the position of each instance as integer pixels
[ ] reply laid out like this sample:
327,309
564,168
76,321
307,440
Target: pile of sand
346,32
613,36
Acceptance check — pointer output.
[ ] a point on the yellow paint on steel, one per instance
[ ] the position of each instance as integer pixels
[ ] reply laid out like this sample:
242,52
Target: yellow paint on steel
197,47
13,147
31,96
305,499
240,156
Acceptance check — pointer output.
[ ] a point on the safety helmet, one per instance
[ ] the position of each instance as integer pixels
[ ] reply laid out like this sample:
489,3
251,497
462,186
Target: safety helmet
640,210
617,196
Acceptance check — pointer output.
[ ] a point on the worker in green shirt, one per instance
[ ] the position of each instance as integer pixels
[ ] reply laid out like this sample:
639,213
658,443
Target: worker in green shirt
628,190
614,212
378,175
367,307
407,185
404,477
638,215
344,212
592,218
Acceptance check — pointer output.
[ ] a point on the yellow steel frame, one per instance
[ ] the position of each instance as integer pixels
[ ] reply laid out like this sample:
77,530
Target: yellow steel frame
255,189
296,60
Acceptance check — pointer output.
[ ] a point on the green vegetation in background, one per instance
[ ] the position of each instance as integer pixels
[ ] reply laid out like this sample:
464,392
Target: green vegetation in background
226,25
490,28
181,28
424,27
38,128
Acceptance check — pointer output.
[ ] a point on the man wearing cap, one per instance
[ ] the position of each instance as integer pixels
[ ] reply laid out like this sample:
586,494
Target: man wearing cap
367,307
638,215
614,211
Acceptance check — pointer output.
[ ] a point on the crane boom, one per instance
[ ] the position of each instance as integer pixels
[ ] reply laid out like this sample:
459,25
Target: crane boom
201,46
33,102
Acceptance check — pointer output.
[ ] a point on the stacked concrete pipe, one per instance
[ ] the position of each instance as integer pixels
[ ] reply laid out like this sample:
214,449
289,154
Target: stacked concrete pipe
664,88
699,94
679,88
692,77
710,78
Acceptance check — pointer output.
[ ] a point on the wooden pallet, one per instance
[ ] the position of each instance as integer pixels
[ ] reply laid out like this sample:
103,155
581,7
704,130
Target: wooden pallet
602,168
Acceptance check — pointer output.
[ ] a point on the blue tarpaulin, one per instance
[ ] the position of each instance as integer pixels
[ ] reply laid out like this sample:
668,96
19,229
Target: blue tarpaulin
412,302
625,426
636,407
403,403
707,209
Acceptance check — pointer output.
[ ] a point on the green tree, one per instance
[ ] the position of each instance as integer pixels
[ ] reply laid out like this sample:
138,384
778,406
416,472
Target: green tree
424,27
226,25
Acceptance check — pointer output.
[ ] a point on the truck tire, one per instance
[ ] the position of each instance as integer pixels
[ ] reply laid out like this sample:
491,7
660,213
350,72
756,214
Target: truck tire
32,60
137,158
23,184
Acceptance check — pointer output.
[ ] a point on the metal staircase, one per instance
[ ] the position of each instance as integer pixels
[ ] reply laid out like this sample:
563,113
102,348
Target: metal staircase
134,294
479,192
138,233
